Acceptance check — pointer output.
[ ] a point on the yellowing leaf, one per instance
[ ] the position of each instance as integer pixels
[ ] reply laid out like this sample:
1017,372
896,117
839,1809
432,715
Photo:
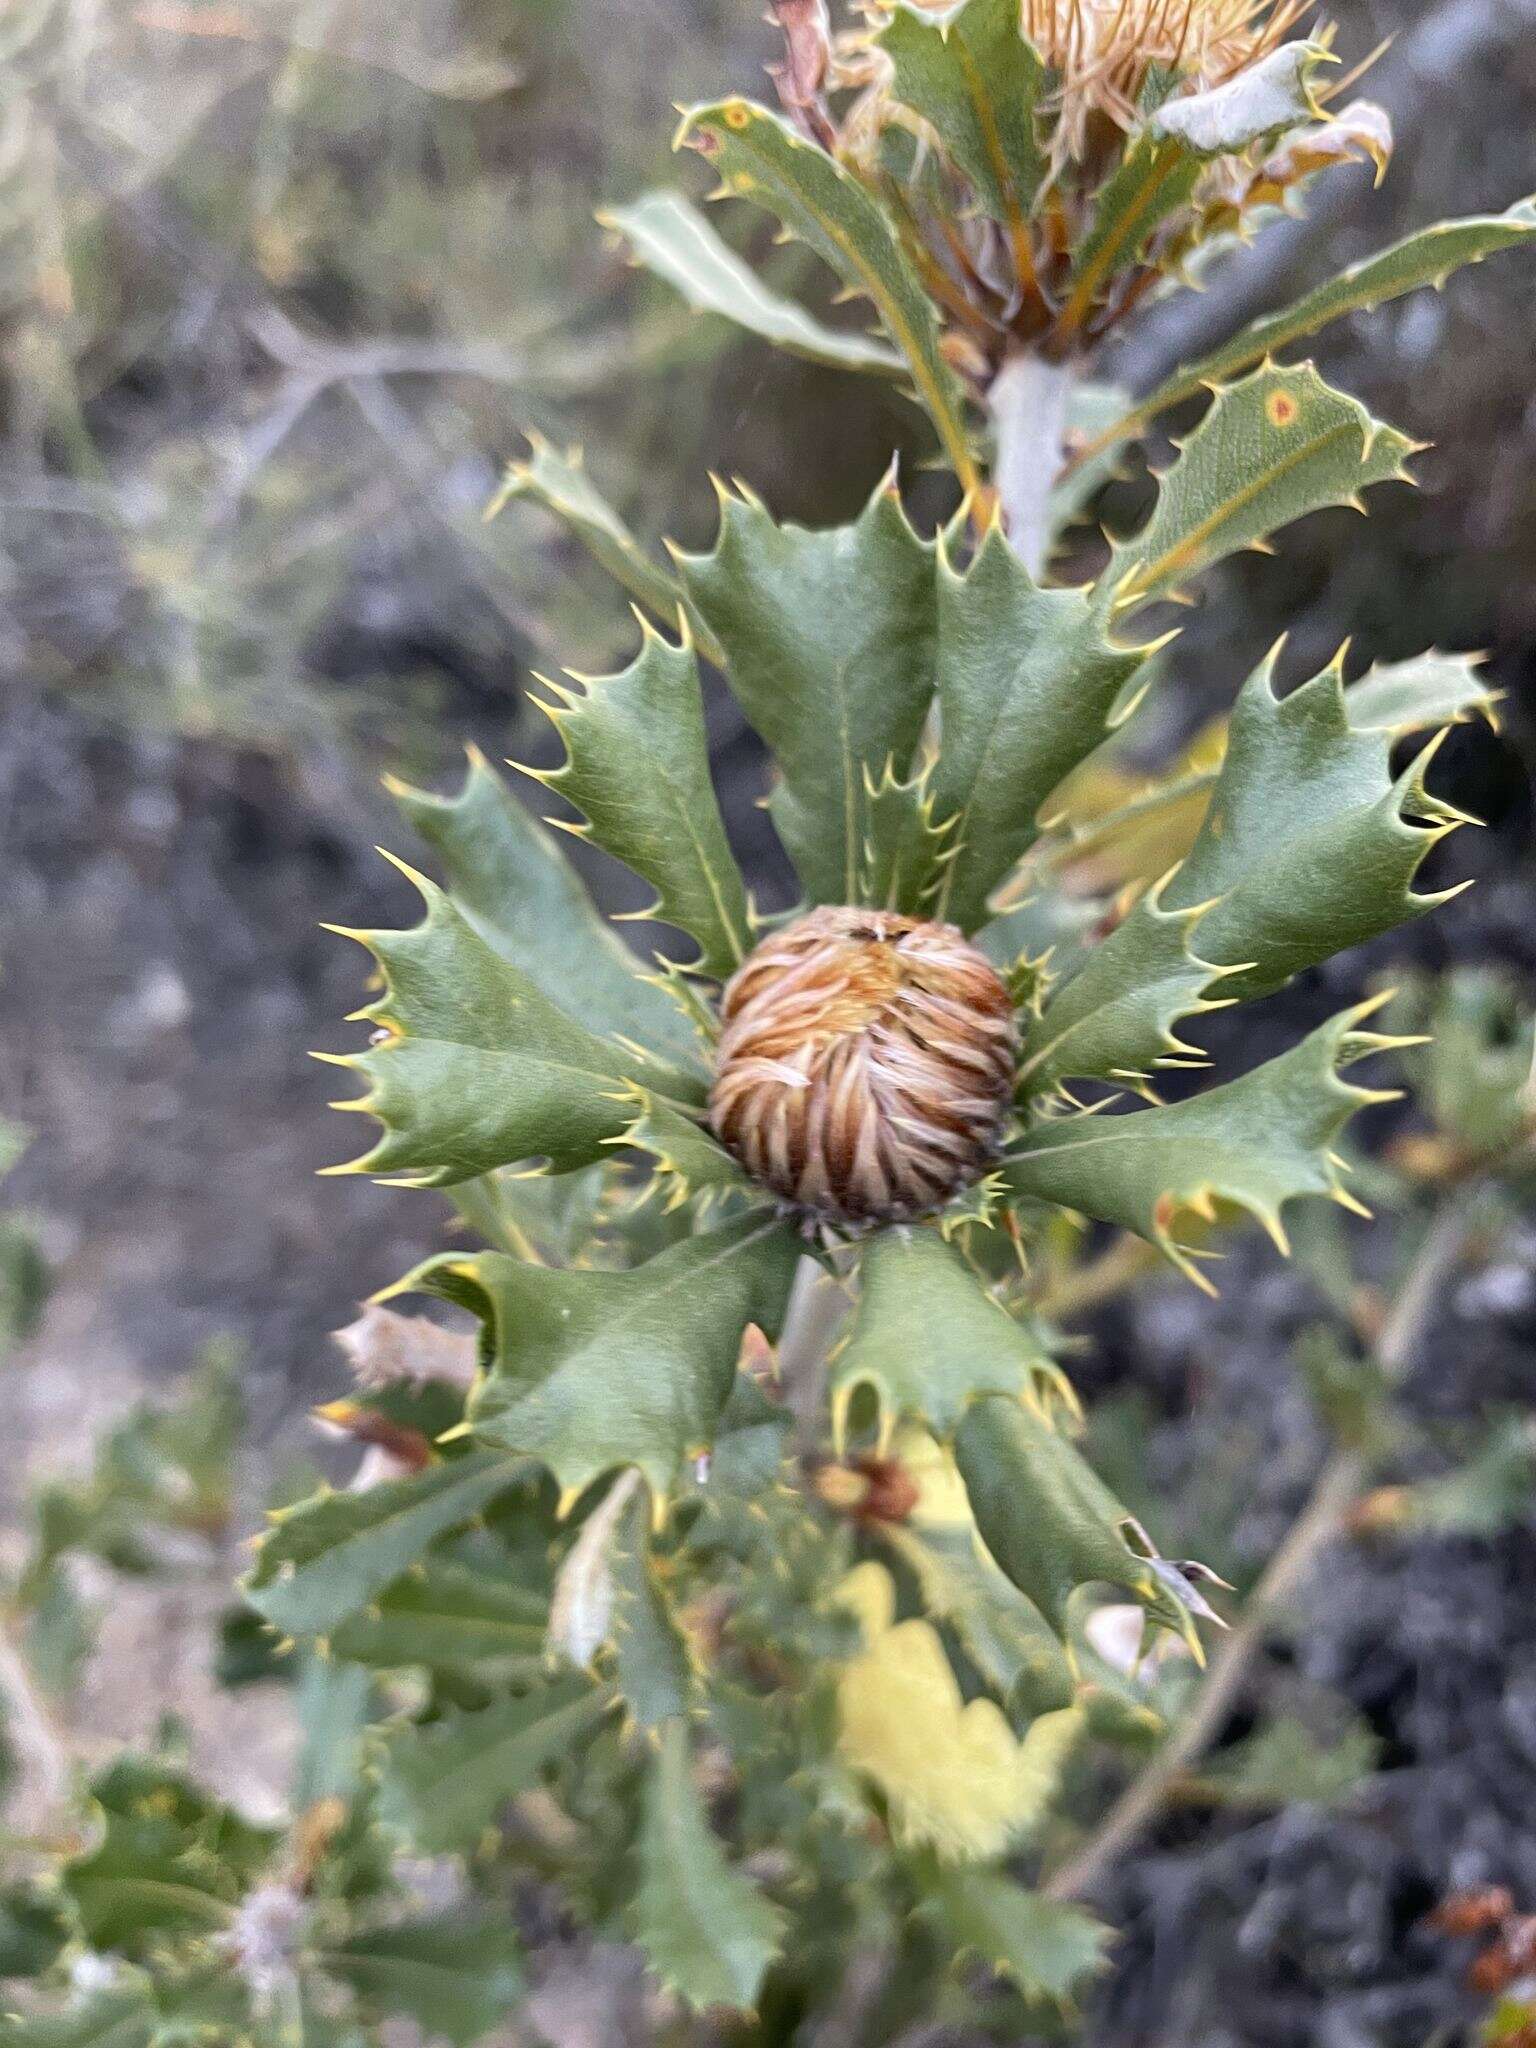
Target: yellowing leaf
955,1777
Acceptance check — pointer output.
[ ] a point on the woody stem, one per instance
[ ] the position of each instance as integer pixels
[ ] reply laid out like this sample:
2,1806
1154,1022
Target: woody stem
1337,1487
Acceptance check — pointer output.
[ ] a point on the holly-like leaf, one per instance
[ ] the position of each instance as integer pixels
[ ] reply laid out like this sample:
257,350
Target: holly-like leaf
905,846
561,485
443,1785
608,1597
448,1616
927,1337
671,237
512,884
637,768
169,1860
1264,99
1309,845
688,1164
1050,1521
1426,258
954,1776
761,158
1430,690
1257,1143
706,1930
1027,679
327,1558
1114,1018
1154,179
1045,1945
974,79
457,1978
1004,1634
829,638
652,1671
589,1370
477,1067
1095,410
1271,448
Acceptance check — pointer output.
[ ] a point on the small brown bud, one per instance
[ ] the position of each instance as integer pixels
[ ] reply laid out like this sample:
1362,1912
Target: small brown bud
865,1065
869,1489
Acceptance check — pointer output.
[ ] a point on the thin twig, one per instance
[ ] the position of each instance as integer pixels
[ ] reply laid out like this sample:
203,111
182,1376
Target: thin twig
1337,1487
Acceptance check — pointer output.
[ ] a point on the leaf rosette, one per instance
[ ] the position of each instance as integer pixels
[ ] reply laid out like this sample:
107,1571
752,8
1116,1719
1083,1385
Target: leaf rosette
873,1078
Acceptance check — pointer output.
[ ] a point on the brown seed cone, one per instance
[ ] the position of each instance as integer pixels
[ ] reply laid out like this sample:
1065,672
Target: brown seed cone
865,1065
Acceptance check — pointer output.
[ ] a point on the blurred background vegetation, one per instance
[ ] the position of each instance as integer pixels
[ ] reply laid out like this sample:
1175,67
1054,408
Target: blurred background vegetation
283,285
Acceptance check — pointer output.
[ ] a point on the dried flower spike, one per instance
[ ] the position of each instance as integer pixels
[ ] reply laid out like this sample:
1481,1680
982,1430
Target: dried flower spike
866,1065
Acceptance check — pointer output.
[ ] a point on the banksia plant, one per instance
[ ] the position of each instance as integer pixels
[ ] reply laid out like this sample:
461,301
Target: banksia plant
745,1581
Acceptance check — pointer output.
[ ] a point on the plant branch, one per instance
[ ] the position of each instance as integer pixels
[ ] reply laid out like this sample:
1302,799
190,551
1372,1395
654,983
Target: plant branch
1337,1487
1028,404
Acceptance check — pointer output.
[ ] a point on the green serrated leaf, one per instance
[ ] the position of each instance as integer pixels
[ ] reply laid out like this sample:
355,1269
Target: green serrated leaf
1263,100
927,1337
1426,258
549,1217
443,1785
688,1164
1114,1018
904,848
672,238
589,1370
1048,1519
1045,1945
706,1930
1004,1634
652,1673
448,1616
1309,844
1095,411
974,79
512,884
457,1978
561,485
334,1704
1271,448
761,158
1257,1142
828,637
1154,180
478,1068
1027,679
1477,1075
637,768
1430,690
169,1860
326,1559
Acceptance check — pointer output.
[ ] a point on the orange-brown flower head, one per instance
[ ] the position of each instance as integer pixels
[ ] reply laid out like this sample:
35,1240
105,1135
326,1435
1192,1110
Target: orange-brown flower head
865,1065
1103,51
